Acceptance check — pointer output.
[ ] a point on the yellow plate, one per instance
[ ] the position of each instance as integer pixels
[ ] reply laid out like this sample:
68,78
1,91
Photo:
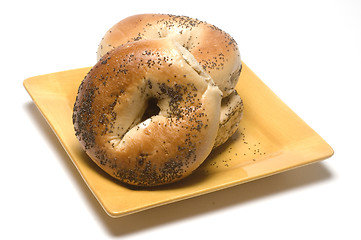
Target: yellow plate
271,139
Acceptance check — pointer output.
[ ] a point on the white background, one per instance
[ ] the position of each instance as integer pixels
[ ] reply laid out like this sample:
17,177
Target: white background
307,52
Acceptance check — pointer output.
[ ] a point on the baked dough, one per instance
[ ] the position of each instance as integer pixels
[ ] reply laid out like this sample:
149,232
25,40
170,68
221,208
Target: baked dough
216,52
164,147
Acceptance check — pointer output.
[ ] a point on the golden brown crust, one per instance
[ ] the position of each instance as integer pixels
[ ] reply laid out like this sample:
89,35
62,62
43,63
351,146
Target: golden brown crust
159,99
215,50
163,148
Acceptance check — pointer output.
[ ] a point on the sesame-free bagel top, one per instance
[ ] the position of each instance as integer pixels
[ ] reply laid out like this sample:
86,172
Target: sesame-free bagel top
109,112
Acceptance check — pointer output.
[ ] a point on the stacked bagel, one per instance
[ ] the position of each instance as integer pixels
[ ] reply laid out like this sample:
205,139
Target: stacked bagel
159,99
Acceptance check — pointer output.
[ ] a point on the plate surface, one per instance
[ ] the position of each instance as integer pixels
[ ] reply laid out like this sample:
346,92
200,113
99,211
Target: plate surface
271,139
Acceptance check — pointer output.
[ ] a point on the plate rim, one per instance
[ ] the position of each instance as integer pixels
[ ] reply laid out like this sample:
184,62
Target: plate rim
28,84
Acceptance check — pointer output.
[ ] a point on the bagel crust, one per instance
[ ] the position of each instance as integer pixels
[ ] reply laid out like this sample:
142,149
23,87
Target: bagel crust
214,50
109,112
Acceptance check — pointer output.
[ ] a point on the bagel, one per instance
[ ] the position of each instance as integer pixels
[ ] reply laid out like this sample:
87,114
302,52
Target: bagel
131,144
216,52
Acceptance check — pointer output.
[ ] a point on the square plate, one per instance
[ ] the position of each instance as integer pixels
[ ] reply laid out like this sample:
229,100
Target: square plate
271,139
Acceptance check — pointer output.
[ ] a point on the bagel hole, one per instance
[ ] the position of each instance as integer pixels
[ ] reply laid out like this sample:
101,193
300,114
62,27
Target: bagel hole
152,109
